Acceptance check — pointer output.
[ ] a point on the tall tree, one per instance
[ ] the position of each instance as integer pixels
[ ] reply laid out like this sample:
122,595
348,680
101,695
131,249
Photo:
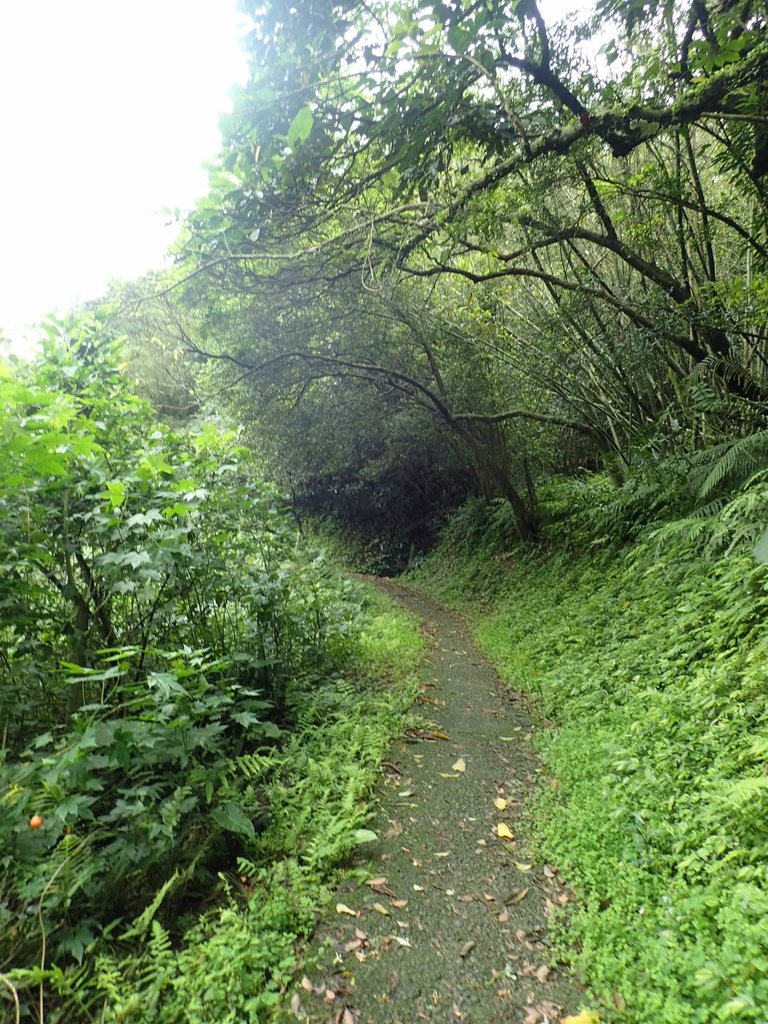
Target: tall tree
618,204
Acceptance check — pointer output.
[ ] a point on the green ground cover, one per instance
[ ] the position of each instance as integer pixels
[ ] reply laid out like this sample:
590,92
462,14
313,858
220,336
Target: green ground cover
649,662
234,962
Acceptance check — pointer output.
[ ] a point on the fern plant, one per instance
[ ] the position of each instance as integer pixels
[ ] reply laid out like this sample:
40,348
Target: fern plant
730,463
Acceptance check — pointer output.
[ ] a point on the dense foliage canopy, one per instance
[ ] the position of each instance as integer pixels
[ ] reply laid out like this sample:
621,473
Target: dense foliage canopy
548,239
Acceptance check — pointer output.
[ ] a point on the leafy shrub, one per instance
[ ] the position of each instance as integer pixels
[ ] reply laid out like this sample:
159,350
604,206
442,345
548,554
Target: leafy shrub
234,962
164,637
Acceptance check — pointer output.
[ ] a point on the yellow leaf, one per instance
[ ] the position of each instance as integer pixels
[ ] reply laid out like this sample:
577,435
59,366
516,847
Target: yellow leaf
449,775
503,831
381,909
459,766
342,908
585,1017
501,803
523,867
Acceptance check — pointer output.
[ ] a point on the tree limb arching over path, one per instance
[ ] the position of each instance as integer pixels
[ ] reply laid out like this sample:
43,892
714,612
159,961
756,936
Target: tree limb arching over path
579,226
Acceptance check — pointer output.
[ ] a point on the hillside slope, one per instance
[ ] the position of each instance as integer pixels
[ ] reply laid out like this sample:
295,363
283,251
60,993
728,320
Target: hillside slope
649,662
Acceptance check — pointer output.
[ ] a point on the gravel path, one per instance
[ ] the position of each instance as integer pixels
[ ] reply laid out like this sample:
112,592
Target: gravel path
451,923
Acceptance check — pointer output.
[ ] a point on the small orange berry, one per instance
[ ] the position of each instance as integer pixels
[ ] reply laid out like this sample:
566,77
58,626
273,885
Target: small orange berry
35,821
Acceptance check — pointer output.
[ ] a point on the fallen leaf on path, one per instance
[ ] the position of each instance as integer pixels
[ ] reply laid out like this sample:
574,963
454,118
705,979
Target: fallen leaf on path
401,941
467,948
503,917
329,996
406,793
418,888
342,908
503,831
501,803
523,867
399,904
296,1006
542,1013
380,885
381,909
306,984
426,734
460,765
542,973
516,896
449,775
585,1017
365,835
549,871
442,853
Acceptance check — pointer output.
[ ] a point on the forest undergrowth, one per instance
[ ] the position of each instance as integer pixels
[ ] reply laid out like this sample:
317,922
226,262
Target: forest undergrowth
194,706
647,658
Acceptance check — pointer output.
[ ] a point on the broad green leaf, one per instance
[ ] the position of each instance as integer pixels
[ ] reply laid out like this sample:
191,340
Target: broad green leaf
232,818
760,550
116,493
365,835
300,127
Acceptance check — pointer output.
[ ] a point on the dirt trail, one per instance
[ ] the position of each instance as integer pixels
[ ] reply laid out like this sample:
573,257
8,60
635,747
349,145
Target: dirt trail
463,937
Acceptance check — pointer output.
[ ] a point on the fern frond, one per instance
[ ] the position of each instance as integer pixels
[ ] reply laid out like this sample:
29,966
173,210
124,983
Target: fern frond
253,767
143,921
158,959
744,791
692,531
739,457
712,508
733,372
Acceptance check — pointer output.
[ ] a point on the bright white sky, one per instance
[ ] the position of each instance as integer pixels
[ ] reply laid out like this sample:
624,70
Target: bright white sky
107,112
